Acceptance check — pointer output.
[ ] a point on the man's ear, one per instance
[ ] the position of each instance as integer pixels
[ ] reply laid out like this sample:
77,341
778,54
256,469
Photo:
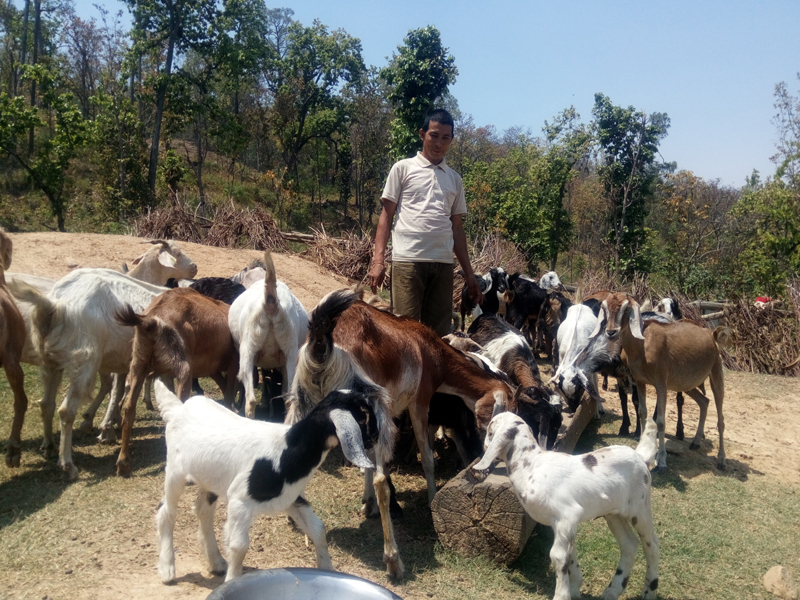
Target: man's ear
421,134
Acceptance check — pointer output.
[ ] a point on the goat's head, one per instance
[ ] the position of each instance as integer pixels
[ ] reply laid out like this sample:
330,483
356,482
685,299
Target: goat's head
550,281
356,427
500,434
171,257
617,311
539,411
670,307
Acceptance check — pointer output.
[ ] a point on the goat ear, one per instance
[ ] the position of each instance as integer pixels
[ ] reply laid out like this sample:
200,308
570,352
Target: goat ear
601,319
166,259
500,403
349,434
635,320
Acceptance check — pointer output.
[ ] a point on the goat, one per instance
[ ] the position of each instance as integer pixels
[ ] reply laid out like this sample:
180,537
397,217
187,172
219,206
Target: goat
268,324
525,304
555,313
675,356
163,261
260,468
74,329
182,334
550,282
252,273
352,344
562,490
493,287
12,343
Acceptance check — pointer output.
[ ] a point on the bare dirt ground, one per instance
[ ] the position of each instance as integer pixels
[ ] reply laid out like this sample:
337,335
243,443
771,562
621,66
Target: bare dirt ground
762,417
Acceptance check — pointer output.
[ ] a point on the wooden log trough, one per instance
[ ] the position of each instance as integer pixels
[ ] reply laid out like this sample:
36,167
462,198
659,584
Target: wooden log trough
485,518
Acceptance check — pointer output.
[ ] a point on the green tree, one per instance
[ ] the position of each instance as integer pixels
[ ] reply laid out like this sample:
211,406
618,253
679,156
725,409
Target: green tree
175,27
787,122
418,76
628,141
48,167
305,77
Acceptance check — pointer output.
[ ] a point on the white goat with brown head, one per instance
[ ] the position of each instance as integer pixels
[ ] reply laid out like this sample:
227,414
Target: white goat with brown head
677,356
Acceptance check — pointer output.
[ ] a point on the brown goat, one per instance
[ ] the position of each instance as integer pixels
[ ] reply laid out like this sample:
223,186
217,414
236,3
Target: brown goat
675,356
12,340
402,363
182,334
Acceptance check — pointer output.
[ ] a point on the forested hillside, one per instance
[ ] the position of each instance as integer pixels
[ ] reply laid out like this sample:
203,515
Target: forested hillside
206,104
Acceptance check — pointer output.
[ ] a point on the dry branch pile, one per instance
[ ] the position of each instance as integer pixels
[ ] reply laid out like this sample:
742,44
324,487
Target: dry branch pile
245,228
765,340
349,256
491,251
231,227
172,222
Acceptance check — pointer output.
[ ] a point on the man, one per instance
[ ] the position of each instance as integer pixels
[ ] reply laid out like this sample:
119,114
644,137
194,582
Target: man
428,198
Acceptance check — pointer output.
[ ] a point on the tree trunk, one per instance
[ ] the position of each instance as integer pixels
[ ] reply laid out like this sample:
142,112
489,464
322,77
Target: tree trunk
160,98
37,32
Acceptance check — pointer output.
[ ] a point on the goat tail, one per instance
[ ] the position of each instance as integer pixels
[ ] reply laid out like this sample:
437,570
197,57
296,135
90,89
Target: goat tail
323,320
271,304
44,309
648,444
167,402
723,336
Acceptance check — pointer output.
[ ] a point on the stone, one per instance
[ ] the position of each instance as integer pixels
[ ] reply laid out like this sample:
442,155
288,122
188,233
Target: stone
779,581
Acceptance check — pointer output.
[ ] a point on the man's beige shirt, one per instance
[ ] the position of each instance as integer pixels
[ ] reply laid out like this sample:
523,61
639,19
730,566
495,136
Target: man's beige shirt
426,195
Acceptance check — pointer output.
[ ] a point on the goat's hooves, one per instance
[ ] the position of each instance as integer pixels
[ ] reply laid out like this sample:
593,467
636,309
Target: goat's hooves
13,457
124,468
694,446
624,432
394,567
396,512
219,572
50,450
70,471
721,466
149,405
659,470
87,427
107,436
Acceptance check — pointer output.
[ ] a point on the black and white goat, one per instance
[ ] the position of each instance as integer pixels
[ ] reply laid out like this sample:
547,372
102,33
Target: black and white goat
494,286
505,347
562,490
260,468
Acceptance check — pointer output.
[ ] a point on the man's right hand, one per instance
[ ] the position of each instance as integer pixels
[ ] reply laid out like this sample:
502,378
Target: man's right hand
377,274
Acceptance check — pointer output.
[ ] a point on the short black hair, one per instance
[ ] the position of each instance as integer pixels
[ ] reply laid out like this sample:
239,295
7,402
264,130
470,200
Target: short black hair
438,115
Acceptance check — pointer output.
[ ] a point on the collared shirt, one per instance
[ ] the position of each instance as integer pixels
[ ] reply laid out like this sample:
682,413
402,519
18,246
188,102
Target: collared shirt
426,195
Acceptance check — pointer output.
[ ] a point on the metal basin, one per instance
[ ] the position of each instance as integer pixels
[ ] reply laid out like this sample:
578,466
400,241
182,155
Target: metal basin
300,584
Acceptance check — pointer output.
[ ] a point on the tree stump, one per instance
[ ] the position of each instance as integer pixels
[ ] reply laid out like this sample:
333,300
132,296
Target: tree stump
485,518
481,518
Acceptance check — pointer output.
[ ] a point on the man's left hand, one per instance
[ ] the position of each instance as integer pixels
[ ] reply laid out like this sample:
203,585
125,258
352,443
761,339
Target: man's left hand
474,289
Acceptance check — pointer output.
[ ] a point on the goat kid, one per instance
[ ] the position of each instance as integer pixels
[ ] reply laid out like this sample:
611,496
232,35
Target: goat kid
677,356
528,300
258,467
268,324
562,491
182,334
12,342
165,260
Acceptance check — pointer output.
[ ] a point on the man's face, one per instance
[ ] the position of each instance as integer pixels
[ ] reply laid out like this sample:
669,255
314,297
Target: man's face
436,141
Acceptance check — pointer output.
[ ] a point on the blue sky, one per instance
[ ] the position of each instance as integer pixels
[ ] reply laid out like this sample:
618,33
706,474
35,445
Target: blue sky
711,66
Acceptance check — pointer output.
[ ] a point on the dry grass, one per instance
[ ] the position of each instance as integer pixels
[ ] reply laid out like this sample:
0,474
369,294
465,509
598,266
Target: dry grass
173,222
234,227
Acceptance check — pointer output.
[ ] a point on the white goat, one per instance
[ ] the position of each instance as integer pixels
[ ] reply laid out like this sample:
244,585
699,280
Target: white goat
260,468
75,330
165,260
562,490
268,324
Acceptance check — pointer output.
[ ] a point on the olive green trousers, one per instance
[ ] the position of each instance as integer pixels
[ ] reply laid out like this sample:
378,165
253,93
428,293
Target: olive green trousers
424,291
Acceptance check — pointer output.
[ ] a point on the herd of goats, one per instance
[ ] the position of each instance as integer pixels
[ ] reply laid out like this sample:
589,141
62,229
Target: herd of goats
348,371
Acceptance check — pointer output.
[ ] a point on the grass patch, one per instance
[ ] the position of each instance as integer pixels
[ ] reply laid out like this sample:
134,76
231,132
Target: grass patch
719,533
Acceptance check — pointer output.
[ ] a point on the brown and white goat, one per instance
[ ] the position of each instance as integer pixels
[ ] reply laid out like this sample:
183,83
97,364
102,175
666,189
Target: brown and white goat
669,356
352,346
182,334
12,340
